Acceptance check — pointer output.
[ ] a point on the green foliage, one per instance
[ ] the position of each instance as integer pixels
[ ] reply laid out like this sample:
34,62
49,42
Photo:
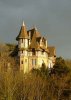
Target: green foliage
43,71
60,66
14,53
68,63
37,84
10,46
32,86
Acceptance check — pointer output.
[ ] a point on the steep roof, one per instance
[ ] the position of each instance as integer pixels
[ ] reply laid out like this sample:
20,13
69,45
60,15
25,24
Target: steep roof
32,31
34,43
37,33
44,48
23,32
51,51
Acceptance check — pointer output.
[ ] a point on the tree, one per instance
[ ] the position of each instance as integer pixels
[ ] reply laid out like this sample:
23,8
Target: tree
60,66
42,71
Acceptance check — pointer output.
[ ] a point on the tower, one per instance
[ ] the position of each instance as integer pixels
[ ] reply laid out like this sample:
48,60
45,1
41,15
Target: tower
23,43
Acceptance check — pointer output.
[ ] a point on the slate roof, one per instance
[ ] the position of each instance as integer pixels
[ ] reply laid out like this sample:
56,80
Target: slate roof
35,38
23,33
32,31
35,44
52,51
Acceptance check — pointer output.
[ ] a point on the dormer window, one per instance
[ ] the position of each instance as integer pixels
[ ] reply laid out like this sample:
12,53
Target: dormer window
54,55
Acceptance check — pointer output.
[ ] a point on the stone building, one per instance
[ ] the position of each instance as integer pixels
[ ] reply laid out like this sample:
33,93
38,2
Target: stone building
33,49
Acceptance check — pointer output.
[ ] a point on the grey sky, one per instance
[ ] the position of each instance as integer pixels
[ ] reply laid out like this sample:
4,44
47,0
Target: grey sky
52,18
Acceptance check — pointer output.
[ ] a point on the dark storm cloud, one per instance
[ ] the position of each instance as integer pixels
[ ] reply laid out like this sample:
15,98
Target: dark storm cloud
52,18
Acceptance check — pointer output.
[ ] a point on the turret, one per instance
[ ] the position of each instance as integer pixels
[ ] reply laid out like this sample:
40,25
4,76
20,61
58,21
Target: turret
23,44
22,38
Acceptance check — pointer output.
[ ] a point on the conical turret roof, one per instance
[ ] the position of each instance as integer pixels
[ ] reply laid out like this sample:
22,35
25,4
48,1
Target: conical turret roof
23,32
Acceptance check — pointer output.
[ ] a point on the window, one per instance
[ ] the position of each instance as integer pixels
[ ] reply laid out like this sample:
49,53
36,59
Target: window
22,40
42,52
22,62
25,60
33,51
33,62
22,51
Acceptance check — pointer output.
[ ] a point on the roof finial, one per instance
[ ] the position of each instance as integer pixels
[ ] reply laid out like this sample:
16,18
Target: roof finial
35,28
23,23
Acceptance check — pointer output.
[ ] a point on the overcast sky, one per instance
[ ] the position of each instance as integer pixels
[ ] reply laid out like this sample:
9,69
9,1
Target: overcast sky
51,17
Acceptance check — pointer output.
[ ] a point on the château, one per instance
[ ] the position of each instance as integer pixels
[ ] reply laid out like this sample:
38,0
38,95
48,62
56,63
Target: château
33,50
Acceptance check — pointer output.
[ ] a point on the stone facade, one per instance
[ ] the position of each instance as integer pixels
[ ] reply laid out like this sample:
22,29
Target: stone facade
33,49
